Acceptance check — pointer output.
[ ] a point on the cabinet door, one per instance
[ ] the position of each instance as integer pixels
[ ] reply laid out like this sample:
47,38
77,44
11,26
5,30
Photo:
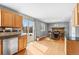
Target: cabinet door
20,43
78,7
18,21
25,41
14,20
76,15
71,47
77,19
1,47
7,18
0,17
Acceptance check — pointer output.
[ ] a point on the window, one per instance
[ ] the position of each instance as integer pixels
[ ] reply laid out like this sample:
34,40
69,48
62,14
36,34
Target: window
42,27
25,25
30,26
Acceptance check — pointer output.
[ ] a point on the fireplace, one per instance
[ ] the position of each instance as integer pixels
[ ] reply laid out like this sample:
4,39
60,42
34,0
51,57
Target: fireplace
57,33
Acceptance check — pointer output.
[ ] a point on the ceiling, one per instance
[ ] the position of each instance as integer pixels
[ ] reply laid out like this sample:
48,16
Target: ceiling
47,12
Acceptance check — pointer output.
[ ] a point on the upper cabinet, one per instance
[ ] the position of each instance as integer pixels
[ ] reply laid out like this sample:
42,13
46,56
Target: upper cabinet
78,7
7,18
18,21
10,19
76,15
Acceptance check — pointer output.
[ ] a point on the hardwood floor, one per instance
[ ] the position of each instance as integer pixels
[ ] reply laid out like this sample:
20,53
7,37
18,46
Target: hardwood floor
45,47
48,47
72,47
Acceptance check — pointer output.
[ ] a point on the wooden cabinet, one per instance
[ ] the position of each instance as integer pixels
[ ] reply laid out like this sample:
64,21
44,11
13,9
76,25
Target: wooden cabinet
78,7
18,21
76,15
0,17
11,48
7,18
10,19
72,47
1,47
22,42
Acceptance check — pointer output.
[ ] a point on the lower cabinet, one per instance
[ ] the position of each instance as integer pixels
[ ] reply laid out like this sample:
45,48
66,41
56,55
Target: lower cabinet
22,41
1,48
72,47
11,46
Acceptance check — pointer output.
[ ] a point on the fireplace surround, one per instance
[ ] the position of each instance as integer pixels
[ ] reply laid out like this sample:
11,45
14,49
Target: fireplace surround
57,33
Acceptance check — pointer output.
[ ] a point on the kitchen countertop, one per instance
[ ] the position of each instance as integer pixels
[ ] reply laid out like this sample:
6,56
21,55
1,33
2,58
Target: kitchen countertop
9,34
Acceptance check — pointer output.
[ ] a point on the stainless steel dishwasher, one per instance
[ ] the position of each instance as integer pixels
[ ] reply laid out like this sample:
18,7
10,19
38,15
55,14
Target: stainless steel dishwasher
10,46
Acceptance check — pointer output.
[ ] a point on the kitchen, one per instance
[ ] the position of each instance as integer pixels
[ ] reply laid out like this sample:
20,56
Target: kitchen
12,40
19,28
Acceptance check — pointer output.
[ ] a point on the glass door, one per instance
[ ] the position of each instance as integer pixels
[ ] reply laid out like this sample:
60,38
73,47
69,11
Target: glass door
28,28
25,26
31,31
